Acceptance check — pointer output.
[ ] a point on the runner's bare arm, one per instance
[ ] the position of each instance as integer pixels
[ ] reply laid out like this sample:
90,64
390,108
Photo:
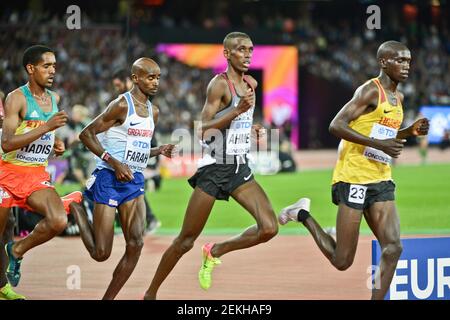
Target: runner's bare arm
15,103
214,97
115,114
59,147
418,128
365,97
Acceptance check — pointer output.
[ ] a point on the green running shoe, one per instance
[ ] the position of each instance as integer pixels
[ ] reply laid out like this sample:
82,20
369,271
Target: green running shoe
208,264
7,293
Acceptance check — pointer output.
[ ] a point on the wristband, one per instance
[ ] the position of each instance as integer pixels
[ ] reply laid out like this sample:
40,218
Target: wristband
105,156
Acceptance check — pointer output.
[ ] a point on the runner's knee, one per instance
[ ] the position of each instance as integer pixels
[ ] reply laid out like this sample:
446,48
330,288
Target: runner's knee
268,232
392,251
344,262
58,223
101,254
184,244
134,246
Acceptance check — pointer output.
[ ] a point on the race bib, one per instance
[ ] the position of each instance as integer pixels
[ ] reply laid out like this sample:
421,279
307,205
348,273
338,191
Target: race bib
137,154
37,151
357,194
380,132
238,137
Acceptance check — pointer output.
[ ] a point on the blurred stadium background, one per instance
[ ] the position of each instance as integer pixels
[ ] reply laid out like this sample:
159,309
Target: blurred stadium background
334,52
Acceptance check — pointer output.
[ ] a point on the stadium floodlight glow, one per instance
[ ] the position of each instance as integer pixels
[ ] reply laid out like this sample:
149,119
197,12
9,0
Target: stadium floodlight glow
279,65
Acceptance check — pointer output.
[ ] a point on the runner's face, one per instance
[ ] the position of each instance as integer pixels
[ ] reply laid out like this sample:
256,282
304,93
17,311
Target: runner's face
44,71
240,54
148,80
397,66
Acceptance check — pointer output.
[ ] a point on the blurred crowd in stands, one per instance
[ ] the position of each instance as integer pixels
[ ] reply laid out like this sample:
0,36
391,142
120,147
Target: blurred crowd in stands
333,39
86,62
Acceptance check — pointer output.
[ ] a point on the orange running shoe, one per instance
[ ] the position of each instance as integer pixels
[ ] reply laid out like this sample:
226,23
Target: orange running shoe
75,196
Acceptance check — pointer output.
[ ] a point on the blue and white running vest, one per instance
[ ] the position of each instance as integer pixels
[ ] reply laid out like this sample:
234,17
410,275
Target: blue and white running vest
130,142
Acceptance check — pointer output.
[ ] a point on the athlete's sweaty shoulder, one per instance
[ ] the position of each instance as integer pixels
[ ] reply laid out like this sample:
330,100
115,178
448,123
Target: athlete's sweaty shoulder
366,95
16,97
217,86
364,100
15,102
217,96
117,109
120,103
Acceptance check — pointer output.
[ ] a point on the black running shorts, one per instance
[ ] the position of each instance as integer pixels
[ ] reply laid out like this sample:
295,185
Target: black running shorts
362,196
219,180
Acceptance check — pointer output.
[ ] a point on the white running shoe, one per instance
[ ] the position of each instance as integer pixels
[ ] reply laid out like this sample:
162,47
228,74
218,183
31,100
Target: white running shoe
290,213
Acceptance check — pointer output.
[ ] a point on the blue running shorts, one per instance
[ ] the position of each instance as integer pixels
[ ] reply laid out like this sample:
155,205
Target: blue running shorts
103,187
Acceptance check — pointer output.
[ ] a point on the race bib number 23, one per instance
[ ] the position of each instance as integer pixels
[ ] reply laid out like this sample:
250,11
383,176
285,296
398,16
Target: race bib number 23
357,193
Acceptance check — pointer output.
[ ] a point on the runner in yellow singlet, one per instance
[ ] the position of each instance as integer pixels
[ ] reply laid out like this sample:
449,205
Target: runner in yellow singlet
369,126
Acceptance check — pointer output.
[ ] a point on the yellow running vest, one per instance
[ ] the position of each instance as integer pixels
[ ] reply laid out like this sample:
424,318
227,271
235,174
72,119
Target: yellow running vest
360,164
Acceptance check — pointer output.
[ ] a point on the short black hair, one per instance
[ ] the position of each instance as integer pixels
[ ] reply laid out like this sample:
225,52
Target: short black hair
33,54
121,74
390,47
234,35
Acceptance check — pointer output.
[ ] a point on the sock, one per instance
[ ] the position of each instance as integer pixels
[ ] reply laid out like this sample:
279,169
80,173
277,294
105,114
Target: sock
302,215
